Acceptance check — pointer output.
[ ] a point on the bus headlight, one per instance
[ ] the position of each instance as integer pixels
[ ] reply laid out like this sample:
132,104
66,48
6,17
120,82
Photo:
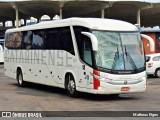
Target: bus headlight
100,78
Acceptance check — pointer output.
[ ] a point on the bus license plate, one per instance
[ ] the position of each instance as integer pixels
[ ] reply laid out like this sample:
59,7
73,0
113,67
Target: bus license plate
125,88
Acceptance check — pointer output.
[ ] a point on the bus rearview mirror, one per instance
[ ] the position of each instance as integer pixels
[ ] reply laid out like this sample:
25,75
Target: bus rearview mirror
93,40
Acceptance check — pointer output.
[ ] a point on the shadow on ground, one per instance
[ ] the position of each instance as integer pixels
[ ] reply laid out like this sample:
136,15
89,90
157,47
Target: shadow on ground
43,90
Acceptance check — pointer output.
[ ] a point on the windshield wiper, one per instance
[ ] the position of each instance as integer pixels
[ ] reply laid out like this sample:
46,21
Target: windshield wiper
116,56
130,59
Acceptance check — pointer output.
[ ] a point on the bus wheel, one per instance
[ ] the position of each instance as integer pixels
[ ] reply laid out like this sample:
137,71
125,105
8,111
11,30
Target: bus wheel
70,86
20,78
157,73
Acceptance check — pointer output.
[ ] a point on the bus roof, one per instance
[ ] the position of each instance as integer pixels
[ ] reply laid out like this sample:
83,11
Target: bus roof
92,23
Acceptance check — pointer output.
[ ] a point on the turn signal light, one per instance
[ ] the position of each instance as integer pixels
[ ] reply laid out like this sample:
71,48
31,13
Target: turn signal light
96,75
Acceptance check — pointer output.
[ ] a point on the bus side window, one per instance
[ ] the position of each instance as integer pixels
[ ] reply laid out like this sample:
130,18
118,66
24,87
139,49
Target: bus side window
18,40
52,40
66,40
49,41
8,40
87,50
38,39
27,40
13,40
59,39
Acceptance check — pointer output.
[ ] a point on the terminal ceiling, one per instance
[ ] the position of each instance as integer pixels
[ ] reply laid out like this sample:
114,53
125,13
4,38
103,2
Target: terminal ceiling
123,10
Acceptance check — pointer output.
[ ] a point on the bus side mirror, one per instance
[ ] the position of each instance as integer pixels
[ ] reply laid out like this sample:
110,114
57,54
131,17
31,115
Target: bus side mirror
93,40
151,42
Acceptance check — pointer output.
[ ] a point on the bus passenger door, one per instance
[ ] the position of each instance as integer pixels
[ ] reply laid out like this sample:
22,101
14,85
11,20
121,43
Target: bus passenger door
86,68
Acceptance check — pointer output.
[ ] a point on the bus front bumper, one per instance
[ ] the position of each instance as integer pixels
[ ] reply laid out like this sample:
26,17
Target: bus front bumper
106,88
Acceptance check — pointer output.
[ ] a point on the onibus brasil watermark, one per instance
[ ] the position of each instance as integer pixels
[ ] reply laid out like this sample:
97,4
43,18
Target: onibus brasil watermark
145,114
21,114
80,114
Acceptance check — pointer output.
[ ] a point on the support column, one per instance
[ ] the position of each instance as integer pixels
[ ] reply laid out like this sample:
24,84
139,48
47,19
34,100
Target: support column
17,14
60,12
105,6
61,4
139,9
102,13
17,18
139,17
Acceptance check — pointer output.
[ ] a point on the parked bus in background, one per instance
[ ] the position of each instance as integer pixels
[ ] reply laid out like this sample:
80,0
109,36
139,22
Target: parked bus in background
1,50
2,32
99,56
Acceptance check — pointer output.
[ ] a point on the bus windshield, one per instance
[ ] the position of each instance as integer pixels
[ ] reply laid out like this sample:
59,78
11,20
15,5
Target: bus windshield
119,50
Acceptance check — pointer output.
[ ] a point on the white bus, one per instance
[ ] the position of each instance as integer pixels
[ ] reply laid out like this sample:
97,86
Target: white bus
93,55
1,50
2,32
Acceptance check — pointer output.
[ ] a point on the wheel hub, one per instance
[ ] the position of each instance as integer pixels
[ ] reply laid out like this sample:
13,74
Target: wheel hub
71,86
20,79
158,73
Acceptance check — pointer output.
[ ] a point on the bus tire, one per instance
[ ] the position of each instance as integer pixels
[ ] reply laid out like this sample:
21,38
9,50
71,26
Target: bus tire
20,81
157,73
70,85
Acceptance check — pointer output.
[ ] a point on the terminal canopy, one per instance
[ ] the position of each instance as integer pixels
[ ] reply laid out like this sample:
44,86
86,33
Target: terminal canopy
132,11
